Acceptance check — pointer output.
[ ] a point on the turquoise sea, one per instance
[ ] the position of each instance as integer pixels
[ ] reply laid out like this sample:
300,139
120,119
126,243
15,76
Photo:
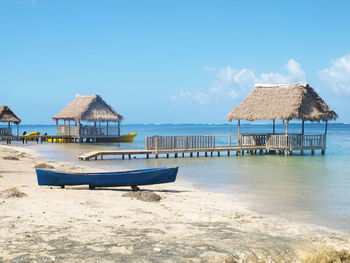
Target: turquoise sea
311,189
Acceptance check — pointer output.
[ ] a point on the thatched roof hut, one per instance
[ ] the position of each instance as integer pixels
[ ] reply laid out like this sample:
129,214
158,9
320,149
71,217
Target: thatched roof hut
90,108
282,101
7,115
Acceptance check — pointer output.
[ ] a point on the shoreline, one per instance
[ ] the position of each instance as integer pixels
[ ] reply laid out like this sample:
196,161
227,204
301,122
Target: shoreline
188,224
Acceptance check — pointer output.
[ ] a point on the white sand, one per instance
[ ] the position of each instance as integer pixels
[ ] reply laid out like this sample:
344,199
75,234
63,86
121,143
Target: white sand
186,225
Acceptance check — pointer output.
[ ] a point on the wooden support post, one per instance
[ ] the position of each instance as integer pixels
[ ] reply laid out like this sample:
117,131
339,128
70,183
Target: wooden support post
228,153
323,151
239,127
119,128
197,154
167,155
95,157
183,155
156,155
122,156
211,154
302,127
101,156
129,156
301,152
287,127
206,154
273,124
175,155
17,129
312,152
325,128
147,155
219,154
237,153
191,154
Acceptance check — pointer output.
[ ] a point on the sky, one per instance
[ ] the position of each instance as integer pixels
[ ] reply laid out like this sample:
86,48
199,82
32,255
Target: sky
169,61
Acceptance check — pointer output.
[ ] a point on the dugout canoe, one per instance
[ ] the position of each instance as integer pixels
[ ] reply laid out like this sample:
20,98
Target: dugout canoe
131,178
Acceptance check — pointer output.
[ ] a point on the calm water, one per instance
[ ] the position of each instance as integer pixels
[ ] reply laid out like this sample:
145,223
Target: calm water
314,189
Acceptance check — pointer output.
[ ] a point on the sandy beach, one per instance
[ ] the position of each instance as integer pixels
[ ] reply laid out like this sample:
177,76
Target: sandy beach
50,224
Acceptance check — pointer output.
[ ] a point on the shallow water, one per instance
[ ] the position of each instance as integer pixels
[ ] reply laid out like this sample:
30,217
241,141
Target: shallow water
313,189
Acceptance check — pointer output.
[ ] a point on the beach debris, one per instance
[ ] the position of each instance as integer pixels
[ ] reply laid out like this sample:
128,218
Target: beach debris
11,192
329,255
43,166
12,158
146,196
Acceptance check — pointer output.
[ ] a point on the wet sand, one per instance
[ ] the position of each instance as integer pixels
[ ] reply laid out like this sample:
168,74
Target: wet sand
49,224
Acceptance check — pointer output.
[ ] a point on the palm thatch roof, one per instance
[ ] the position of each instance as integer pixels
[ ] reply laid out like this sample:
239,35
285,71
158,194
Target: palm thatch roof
282,101
89,108
7,115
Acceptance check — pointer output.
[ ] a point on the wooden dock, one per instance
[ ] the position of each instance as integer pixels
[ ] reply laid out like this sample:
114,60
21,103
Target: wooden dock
210,145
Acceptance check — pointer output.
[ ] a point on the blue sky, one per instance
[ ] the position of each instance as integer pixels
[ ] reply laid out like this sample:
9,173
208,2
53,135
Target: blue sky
168,61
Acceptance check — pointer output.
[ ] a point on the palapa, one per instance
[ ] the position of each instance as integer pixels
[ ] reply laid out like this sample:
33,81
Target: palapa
7,115
90,108
284,102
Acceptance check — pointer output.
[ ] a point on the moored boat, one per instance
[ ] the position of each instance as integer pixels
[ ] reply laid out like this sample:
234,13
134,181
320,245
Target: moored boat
126,178
127,137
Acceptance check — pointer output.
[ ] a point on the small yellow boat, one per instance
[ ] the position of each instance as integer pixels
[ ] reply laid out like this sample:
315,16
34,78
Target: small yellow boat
60,140
32,134
127,137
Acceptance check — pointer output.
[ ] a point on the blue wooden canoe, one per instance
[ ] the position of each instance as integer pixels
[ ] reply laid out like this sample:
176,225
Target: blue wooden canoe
127,178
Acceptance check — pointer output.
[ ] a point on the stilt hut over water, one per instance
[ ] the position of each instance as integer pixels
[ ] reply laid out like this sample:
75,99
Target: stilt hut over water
7,116
292,101
83,111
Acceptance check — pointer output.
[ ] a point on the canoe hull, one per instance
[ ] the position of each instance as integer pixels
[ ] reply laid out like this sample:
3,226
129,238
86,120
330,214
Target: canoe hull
129,178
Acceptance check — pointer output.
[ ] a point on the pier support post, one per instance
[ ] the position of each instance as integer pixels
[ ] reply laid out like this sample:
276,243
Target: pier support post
211,154
219,154
197,154
237,152
191,154
156,155
301,152
167,155
175,155
206,154
228,153
129,156
183,155
122,156
323,151
312,152
147,156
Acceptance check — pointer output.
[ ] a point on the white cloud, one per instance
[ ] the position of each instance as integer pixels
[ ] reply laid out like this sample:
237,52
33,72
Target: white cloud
294,71
231,83
338,74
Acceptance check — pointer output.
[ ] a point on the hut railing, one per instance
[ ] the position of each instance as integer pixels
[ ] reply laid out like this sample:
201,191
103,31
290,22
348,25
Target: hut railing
296,141
189,142
246,140
98,131
86,130
67,130
5,131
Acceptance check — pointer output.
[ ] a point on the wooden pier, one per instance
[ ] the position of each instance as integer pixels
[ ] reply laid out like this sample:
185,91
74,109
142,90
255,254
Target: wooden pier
210,145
